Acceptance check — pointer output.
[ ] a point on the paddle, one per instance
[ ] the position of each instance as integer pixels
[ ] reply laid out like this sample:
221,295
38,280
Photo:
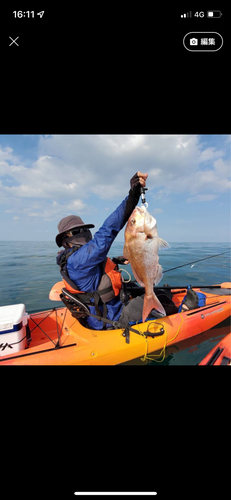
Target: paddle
226,285
56,291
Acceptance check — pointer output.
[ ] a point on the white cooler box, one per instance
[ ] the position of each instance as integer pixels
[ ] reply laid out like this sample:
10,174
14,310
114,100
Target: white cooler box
13,321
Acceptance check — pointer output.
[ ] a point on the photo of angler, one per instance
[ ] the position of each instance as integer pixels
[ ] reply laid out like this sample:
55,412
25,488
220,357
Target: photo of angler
130,271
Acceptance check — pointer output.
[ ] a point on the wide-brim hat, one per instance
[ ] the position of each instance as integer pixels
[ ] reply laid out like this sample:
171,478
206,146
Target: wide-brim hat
67,224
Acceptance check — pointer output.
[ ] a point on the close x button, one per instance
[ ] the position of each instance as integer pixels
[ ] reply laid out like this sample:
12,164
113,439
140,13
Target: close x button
203,41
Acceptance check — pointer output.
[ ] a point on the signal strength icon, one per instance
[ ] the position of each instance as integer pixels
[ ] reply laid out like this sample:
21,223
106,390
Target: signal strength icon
188,14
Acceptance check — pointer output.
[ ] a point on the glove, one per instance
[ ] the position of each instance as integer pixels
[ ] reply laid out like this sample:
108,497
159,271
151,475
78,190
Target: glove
134,194
138,179
134,181
119,260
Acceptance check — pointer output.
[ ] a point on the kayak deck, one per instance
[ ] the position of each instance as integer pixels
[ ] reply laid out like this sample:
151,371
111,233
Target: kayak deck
58,338
220,354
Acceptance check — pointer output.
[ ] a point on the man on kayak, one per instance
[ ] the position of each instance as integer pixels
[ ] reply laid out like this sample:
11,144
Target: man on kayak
83,258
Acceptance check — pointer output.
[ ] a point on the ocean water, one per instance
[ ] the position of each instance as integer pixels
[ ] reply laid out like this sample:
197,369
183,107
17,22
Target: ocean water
28,271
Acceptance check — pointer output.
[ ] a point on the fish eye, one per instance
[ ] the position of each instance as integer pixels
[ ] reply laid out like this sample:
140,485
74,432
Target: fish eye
133,221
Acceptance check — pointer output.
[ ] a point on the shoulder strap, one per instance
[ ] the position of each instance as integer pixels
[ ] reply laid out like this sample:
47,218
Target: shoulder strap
64,257
87,297
72,286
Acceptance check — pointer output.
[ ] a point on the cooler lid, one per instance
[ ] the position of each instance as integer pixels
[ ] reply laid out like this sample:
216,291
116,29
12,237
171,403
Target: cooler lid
11,315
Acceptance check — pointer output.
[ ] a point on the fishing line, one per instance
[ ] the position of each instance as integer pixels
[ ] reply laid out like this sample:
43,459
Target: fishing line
195,261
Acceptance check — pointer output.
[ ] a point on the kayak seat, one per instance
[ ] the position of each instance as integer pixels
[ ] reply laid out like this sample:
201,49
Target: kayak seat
78,309
81,311
77,304
164,295
167,302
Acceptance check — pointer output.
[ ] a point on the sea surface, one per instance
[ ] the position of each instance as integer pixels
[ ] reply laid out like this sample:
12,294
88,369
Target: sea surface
28,271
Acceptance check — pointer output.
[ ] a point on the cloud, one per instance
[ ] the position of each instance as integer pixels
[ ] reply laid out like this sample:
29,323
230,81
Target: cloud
76,206
201,197
6,154
71,169
50,211
210,154
120,144
222,167
104,164
47,177
157,210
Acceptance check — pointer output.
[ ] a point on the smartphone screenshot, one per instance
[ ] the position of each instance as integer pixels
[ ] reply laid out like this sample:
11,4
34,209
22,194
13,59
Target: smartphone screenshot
91,94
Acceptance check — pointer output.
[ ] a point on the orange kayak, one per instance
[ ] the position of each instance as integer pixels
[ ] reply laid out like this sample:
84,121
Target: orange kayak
55,337
220,354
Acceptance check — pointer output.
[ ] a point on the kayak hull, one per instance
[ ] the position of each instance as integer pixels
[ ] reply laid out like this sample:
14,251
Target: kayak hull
59,339
220,354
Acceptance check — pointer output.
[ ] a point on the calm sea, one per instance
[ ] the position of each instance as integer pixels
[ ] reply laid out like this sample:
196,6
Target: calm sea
29,270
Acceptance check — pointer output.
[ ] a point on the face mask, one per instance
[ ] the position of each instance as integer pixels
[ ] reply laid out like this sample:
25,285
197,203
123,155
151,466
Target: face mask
82,237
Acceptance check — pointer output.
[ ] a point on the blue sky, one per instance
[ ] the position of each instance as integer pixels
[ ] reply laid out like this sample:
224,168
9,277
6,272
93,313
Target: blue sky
43,178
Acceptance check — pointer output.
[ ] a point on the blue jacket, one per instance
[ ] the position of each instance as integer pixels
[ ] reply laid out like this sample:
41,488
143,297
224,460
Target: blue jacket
83,266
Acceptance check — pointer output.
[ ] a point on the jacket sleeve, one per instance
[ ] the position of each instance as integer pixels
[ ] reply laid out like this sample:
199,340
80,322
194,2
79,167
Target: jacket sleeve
95,251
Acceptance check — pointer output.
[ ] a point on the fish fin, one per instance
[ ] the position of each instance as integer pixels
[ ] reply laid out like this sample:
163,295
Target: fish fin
151,302
137,277
125,253
163,243
159,275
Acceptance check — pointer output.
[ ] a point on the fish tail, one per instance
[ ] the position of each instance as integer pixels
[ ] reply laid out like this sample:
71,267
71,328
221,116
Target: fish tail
151,302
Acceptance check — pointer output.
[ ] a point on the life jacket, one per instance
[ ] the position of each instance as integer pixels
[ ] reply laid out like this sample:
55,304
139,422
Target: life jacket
109,287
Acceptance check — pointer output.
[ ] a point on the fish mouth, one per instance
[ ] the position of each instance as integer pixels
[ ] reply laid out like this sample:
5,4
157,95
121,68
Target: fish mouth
141,209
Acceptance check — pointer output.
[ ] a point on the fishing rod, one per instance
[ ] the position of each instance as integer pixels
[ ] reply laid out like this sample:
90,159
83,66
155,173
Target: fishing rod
195,261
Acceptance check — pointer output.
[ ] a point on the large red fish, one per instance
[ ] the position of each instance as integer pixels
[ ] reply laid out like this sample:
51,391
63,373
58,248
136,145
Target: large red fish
141,249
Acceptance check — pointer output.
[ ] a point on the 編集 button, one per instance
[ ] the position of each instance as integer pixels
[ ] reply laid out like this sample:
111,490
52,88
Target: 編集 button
203,41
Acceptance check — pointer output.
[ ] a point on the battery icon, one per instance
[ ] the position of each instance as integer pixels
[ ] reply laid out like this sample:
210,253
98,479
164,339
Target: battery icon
214,13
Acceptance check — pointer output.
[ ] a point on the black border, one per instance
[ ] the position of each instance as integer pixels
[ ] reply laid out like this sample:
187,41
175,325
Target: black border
106,427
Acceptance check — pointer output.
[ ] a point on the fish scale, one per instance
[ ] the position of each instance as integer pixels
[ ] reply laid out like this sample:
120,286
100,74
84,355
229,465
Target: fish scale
141,249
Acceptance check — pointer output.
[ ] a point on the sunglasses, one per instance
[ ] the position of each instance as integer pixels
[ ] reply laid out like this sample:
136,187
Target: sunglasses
76,231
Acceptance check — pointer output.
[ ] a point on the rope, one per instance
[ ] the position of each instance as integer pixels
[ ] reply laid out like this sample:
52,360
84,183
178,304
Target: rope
153,357
128,281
